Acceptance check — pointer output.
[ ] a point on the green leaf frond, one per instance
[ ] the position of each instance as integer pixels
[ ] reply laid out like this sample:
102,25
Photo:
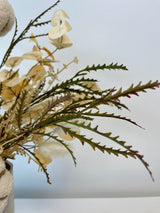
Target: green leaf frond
38,105
61,88
90,90
94,67
109,115
83,139
53,120
134,90
129,151
51,104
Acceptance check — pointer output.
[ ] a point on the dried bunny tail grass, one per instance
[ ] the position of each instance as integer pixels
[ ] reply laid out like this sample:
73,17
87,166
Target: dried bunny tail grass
6,185
2,166
7,17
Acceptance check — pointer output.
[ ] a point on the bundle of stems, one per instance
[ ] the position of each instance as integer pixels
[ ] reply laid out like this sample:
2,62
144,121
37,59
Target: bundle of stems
41,114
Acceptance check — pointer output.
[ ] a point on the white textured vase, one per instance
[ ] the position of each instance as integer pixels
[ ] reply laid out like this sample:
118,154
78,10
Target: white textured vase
6,187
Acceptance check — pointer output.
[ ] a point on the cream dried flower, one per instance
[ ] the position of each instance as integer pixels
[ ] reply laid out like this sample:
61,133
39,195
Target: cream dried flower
4,75
6,17
6,183
33,55
58,16
47,150
57,34
61,42
13,62
58,31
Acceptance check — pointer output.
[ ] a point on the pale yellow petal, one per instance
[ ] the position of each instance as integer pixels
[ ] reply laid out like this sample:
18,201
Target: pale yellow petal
61,42
36,72
55,32
36,110
32,38
58,16
14,81
44,160
13,61
7,104
93,85
48,150
8,93
51,149
4,75
58,31
79,96
66,26
33,55
41,106
66,136
35,48
62,46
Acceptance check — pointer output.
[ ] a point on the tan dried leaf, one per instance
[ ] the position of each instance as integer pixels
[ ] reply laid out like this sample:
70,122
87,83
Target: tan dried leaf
44,160
13,61
49,53
32,38
4,75
36,72
14,81
8,93
35,48
8,103
33,55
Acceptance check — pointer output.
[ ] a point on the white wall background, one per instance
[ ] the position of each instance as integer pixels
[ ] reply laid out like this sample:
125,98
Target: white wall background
124,31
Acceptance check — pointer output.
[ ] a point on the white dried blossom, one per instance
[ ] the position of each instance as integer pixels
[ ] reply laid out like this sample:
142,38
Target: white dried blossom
59,31
58,16
33,55
4,75
52,149
7,104
61,42
47,150
15,81
7,17
13,61
6,183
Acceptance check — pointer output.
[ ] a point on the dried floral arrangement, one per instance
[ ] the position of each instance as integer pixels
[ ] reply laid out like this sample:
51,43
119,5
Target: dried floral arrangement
40,114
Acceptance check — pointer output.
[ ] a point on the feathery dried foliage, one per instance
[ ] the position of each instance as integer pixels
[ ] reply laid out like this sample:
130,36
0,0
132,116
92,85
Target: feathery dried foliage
40,115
